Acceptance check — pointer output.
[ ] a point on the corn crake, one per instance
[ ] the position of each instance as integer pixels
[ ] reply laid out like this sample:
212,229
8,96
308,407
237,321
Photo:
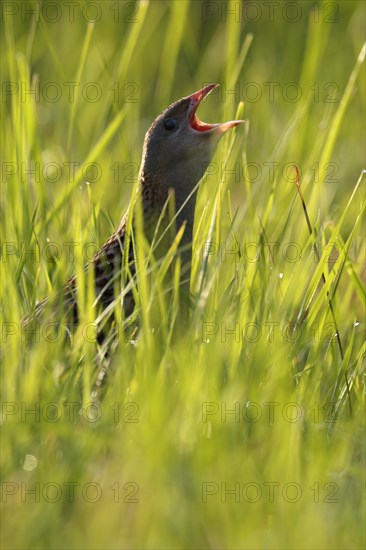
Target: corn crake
178,148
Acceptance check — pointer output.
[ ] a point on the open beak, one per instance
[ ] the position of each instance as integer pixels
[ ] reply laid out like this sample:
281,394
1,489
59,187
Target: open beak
196,124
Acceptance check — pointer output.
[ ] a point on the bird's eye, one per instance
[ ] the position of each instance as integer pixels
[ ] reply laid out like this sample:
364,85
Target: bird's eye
170,124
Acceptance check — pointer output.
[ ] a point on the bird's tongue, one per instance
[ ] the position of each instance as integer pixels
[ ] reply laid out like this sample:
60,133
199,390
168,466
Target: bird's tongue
199,126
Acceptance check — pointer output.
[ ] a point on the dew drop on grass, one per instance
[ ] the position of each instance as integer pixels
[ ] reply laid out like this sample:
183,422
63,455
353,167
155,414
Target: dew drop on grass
30,463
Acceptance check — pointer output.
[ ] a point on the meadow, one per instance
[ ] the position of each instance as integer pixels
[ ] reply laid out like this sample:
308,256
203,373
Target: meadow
244,428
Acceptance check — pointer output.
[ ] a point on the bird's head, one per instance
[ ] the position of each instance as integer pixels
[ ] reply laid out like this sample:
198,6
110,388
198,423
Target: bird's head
178,146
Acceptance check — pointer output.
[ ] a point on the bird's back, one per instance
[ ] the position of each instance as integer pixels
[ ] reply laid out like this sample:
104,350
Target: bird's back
106,267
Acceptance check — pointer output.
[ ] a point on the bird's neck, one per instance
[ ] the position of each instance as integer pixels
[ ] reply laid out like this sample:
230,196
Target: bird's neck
158,195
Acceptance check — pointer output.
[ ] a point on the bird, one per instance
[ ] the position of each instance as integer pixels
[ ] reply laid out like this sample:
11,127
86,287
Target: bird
177,150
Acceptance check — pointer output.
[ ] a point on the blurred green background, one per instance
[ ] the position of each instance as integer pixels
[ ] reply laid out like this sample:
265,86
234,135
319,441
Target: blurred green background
150,471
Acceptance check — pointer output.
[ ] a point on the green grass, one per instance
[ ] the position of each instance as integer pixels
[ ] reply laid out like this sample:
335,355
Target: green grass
255,394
